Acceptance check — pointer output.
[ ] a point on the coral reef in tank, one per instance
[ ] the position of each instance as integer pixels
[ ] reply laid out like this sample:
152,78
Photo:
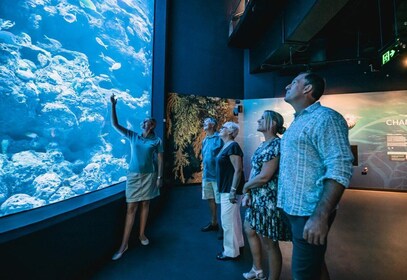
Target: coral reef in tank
59,63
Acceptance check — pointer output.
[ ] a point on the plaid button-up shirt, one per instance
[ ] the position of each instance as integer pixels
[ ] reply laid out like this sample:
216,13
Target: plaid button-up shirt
314,148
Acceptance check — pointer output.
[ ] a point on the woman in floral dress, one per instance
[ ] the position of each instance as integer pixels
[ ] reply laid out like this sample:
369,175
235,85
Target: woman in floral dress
264,225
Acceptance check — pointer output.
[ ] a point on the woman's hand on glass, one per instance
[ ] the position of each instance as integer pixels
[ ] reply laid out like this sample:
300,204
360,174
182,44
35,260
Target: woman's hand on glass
113,99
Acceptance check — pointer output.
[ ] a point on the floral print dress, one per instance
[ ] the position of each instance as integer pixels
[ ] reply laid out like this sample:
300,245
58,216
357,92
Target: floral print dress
263,215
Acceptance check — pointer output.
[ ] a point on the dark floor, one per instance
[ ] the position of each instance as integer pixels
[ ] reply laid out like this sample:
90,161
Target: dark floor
368,240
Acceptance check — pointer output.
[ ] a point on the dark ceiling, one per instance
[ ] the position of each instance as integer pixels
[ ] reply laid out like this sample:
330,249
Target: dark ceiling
361,29
357,32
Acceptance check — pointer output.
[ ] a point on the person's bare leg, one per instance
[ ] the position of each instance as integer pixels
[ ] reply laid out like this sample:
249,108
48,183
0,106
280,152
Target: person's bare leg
212,207
144,210
130,214
255,245
275,259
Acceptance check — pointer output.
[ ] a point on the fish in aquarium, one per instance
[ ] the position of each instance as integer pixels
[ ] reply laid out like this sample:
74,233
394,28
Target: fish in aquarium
60,61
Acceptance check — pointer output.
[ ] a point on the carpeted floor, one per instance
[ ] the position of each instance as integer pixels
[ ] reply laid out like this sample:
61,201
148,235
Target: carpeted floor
368,240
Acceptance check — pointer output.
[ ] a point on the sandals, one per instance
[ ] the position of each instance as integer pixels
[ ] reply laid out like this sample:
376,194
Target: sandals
145,241
254,275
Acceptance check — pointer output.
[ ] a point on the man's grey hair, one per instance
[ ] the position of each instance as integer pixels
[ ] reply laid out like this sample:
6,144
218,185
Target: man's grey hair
211,120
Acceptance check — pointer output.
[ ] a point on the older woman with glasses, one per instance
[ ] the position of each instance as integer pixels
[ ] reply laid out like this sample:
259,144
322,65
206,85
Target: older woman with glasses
229,173
263,223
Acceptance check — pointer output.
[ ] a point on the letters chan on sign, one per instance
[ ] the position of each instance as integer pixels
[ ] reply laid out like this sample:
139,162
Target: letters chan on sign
396,122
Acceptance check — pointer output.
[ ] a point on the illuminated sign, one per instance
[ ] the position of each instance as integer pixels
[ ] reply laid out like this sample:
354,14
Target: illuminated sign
391,52
388,55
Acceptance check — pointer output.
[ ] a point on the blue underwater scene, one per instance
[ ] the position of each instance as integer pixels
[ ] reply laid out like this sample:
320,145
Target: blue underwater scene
60,60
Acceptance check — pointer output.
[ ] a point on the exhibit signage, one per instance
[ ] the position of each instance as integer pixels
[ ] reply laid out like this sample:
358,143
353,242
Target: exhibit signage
377,123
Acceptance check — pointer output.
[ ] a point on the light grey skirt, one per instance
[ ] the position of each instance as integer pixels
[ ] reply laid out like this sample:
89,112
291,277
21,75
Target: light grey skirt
141,186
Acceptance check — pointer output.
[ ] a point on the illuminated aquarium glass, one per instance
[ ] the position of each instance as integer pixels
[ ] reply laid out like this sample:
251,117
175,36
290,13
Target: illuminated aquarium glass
59,63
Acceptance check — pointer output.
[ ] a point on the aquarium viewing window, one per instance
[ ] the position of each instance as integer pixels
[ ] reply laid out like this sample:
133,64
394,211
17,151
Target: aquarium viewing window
60,60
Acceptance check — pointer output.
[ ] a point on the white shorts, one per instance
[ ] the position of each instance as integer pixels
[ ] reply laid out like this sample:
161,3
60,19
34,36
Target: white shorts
210,191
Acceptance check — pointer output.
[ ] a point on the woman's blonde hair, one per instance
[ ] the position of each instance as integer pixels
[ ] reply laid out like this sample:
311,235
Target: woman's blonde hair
271,116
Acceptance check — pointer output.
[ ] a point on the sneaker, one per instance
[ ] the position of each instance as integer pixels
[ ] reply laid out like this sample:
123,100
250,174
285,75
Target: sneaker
210,227
254,274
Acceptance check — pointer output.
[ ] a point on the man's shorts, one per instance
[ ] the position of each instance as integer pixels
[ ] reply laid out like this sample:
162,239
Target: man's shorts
210,191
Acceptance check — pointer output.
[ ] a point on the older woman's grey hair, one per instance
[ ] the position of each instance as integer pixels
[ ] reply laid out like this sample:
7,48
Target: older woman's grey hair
232,129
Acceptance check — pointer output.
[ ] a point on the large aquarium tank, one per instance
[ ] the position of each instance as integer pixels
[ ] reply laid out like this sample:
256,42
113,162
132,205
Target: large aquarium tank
60,61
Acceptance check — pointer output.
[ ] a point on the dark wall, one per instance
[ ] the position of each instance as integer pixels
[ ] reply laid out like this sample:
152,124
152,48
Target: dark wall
65,247
159,58
360,78
72,245
263,85
340,78
334,49
199,60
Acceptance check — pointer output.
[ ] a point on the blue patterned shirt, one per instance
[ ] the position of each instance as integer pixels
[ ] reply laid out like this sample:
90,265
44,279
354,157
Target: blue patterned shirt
211,145
314,148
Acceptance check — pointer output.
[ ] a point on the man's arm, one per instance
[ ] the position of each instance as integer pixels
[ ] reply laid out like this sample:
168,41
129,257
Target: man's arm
334,148
316,228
